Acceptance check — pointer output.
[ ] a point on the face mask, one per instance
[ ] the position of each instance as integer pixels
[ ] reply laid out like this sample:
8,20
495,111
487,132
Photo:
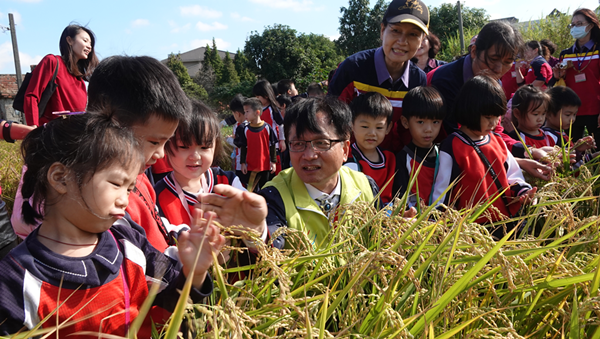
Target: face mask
578,32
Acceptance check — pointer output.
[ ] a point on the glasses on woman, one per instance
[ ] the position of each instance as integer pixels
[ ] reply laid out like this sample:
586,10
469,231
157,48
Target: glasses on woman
577,24
318,145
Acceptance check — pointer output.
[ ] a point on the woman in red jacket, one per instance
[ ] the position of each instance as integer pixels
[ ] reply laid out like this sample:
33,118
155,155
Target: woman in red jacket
75,64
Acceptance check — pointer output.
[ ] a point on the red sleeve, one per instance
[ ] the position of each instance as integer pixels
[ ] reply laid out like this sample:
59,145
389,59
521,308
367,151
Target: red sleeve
40,77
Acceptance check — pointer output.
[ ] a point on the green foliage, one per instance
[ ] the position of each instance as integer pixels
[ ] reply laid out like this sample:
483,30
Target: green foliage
444,21
215,61
360,26
553,28
241,67
192,89
452,45
281,53
229,74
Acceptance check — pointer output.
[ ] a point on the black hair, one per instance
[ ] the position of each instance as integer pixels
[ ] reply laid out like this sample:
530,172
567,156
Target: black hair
274,88
480,96
237,103
82,68
204,129
314,88
284,85
284,100
84,144
303,115
263,88
527,98
138,88
254,104
372,104
549,48
423,102
504,36
561,96
533,44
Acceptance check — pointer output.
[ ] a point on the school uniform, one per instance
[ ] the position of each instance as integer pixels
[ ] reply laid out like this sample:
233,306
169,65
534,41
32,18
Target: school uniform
257,150
476,186
410,160
538,140
382,171
115,275
366,72
539,70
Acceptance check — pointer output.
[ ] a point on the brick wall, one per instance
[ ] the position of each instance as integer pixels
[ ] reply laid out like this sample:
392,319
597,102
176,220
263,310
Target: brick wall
8,90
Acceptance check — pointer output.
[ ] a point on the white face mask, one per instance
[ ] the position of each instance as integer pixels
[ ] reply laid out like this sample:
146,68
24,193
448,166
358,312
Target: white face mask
578,32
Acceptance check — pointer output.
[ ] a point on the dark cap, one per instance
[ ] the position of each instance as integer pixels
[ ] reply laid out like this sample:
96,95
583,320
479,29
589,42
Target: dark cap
409,11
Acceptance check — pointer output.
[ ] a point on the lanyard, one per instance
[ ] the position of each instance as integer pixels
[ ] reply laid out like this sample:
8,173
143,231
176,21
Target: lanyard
126,293
181,195
579,62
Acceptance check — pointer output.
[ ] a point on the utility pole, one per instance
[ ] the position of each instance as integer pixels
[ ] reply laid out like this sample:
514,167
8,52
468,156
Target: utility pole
13,35
460,29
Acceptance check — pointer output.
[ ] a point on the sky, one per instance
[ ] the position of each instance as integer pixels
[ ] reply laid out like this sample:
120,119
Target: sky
158,28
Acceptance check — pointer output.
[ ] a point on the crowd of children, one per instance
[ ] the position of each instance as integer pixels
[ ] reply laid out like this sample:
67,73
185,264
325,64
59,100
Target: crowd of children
95,224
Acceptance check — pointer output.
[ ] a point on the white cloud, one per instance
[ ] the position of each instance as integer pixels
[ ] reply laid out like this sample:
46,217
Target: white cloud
333,37
179,29
294,5
210,27
140,23
221,44
197,10
238,17
16,16
7,61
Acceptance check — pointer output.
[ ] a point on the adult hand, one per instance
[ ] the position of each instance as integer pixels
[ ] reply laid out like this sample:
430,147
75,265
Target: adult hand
203,237
282,146
534,168
235,207
558,72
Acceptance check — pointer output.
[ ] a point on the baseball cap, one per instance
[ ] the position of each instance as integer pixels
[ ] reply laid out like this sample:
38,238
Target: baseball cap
408,11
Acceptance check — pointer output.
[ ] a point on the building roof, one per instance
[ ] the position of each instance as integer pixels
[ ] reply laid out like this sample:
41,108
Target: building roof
192,60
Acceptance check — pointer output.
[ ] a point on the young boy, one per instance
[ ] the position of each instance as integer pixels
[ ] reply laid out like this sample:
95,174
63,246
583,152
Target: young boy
422,114
371,122
561,114
257,146
237,107
143,95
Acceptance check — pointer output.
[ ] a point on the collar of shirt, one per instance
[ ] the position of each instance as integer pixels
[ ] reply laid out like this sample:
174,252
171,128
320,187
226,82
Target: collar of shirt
585,48
383,74
317,194
468,68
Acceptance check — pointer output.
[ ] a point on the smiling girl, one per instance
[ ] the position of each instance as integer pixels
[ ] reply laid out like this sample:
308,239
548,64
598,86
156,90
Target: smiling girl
76,63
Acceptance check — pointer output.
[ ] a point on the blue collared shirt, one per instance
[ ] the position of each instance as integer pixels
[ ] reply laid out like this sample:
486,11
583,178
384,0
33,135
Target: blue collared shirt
585,48
382,72
468,68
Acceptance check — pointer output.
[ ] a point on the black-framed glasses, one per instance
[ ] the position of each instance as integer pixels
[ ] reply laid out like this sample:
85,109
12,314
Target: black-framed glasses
318,145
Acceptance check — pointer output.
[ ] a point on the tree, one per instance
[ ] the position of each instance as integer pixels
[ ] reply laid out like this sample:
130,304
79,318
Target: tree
229,74
192,89
241,67
280,53
215,61
360,26
444,20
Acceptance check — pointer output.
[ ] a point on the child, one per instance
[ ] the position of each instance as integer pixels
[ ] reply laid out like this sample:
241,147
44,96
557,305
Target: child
271,114
191,152
237,107
84,261
423,113
371,122
477,159
562,112
257,146
529,105
149,100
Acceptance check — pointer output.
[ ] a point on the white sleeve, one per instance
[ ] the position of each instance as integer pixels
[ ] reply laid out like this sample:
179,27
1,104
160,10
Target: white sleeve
281,132
442,180
514,174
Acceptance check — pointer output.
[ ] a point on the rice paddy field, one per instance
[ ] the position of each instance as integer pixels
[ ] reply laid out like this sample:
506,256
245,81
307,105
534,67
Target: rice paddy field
440,275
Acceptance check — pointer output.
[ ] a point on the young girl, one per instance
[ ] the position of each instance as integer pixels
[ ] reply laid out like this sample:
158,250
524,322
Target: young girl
85,267
271,114
478,158
190,153
529,106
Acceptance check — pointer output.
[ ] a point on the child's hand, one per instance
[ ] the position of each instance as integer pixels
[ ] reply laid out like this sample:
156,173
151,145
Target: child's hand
585,143
244,168
282,146
273,167
527,197
203,237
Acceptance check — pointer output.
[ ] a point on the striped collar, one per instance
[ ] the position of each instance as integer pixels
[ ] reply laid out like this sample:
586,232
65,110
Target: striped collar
192,198
374,165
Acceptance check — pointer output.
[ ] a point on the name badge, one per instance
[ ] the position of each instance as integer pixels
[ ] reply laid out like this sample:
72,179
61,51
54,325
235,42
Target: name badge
580,77
514,74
